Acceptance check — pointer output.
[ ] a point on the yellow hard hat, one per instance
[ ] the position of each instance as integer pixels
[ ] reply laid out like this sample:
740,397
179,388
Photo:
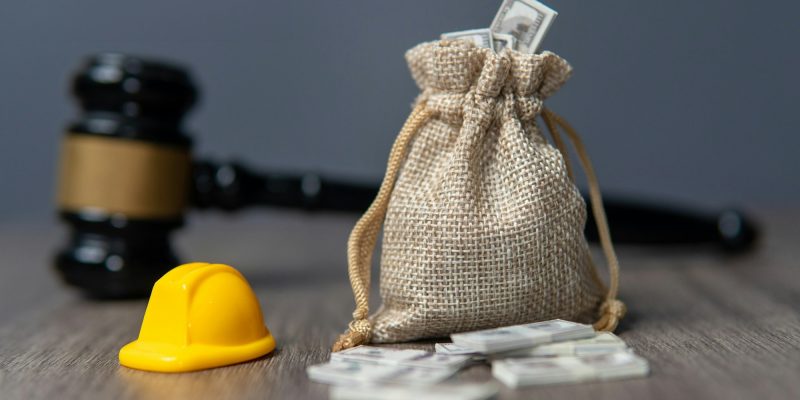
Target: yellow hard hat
199,316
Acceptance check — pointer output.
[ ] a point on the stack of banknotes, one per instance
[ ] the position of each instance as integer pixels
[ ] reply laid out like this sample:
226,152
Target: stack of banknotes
540,353
549,352
377,373
460,391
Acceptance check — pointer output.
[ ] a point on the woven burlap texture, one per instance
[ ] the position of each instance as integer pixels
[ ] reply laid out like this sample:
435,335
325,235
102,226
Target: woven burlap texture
484,225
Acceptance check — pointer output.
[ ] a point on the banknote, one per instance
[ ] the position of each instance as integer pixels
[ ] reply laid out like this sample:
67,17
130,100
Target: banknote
516,372
442,391
526,20
408,357
601,343
452,348
522,336
481,37
502,41
349,373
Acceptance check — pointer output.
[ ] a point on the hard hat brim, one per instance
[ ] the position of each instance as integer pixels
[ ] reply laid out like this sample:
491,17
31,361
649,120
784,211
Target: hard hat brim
164,357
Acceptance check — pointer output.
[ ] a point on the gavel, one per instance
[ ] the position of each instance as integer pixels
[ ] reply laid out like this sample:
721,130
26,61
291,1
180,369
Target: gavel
127,178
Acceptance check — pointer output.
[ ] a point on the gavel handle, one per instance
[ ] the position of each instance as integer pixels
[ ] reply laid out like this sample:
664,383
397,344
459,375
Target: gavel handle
638,222
231,186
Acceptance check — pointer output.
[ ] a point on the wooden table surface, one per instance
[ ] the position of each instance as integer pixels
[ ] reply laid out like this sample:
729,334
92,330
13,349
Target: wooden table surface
712,326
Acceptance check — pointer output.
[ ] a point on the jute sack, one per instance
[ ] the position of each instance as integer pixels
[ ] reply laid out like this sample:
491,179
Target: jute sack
482,221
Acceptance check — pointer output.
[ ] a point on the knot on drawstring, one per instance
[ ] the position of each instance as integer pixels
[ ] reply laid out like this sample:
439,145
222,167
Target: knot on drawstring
611,312
357,334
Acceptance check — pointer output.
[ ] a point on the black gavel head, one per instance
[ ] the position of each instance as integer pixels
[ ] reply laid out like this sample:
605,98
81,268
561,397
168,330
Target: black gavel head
124,176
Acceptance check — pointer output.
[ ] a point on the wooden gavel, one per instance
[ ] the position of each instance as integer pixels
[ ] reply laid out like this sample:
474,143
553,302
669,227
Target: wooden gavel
127,178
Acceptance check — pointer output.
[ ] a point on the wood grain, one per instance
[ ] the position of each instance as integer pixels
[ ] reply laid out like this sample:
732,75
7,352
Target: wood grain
712,326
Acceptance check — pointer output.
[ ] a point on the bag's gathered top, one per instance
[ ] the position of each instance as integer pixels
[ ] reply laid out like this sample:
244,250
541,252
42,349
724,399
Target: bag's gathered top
482,221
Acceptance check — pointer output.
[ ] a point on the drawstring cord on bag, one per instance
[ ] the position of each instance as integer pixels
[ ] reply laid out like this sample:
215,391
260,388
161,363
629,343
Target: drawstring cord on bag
361,243
611,310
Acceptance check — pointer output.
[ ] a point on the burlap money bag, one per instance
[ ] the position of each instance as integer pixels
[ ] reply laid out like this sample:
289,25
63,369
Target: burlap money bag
483,225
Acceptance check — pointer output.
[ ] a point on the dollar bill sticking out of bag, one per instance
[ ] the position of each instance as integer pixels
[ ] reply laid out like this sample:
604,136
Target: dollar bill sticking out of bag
519,25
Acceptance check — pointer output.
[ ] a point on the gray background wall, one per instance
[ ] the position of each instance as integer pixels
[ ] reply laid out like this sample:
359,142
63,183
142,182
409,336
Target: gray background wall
694,101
